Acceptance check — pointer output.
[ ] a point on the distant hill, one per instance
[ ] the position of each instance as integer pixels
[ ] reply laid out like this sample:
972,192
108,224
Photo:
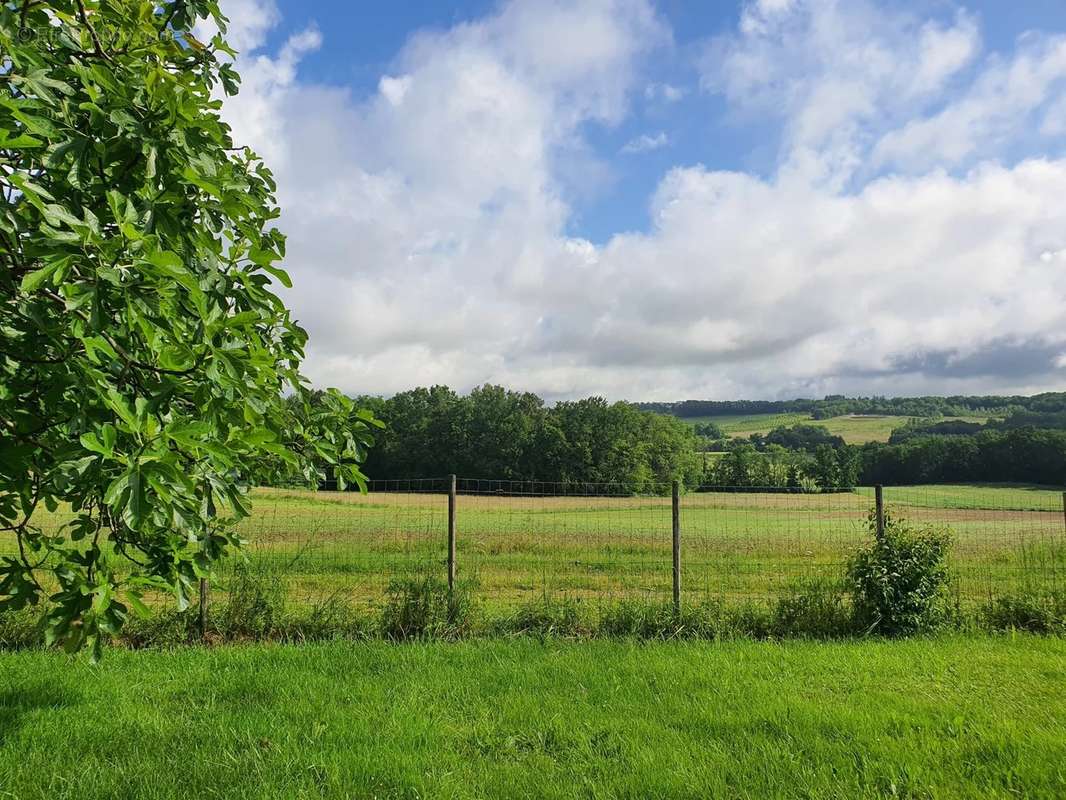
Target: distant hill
839,405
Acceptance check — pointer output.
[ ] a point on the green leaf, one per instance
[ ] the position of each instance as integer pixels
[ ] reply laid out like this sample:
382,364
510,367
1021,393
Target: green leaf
138,606
280,274
33,281
16,141
90,441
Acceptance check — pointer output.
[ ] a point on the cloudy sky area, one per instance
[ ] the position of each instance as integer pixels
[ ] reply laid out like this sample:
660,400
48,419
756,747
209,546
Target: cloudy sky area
686,200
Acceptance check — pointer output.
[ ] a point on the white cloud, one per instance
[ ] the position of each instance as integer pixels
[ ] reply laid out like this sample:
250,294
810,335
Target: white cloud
646,142
995,110
664,92
835,73
394,89
428,221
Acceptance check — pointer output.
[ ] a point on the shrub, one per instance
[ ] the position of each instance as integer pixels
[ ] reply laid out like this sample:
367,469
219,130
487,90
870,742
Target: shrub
422,606
1029,611
814,609
899,583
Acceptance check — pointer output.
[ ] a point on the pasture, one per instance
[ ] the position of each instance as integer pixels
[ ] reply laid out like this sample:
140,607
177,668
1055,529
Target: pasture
957,717
853,428
736,547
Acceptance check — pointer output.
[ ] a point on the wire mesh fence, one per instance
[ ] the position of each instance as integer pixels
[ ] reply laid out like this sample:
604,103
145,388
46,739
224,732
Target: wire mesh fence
516,541
314,545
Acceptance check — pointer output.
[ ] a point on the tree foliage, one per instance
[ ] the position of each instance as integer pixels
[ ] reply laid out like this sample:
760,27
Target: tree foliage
1022,455
499,434
143,353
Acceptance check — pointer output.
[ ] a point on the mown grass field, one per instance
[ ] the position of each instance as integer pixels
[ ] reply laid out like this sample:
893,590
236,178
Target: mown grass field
942,718
854,429
736,547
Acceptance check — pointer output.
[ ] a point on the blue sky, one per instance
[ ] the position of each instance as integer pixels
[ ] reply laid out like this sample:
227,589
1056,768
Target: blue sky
699,127
675,199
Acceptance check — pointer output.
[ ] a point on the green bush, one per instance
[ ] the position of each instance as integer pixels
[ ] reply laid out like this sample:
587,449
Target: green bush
814,609
899,583
421,607
1031,611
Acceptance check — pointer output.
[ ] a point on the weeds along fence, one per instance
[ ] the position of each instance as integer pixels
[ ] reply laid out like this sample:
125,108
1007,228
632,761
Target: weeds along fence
511,542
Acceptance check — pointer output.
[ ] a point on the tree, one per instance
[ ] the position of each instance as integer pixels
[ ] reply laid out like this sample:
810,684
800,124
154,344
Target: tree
144,358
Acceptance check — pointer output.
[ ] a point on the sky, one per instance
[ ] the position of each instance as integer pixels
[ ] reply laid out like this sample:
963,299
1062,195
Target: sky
660,201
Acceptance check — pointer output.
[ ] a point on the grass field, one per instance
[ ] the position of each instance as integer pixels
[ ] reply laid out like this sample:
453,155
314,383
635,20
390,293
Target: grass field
854,429
736,547
943,718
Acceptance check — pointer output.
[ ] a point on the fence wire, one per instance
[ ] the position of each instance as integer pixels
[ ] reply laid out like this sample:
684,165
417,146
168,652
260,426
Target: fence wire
520,540
317,545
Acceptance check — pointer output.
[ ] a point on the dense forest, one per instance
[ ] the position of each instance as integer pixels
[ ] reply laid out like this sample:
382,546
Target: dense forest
498,434
504,435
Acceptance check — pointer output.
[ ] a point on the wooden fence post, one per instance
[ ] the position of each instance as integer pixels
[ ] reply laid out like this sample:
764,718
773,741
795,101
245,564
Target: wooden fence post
451,533
1064,508
879,502
204,592
676,503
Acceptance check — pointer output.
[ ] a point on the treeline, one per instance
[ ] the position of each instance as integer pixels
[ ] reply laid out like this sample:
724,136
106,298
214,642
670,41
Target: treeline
824,468
500,434
1022,455
943,452
916,428
838,405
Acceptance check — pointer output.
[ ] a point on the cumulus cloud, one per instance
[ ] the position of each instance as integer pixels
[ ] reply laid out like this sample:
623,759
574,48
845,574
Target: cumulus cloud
835,73
428,221
998,108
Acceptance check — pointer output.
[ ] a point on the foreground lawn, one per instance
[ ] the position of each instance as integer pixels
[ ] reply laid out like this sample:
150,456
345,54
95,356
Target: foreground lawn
961,717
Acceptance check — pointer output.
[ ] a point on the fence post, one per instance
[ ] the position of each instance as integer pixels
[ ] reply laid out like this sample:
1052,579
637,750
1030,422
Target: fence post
204,591
1064,508
676,503
879,502
451,533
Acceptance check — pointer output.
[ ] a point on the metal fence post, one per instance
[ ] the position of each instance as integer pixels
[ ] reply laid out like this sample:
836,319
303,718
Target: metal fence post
676,503
879,503
451,533
205,589
1064,508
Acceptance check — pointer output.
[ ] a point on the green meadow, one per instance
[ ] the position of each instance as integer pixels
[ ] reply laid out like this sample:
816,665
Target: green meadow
941,718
